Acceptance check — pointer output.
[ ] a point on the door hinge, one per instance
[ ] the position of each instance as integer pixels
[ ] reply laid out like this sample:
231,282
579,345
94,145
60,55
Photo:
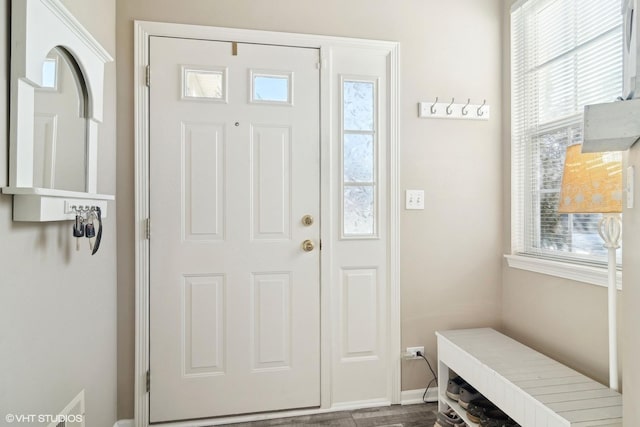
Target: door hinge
320,244
148,379
147,78
147,228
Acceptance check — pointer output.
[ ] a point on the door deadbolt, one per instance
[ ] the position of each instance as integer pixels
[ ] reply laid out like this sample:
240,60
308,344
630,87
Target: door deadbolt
307,246
307,220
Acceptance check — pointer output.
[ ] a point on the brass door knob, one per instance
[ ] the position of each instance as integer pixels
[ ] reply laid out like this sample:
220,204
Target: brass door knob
307,220
307,246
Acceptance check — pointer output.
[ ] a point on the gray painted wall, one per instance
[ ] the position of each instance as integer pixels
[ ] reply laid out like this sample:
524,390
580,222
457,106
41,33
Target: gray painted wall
58,306
631,300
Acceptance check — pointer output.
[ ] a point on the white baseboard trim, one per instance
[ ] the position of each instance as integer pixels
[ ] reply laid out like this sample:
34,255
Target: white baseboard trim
411,397
342,406
360,404
346,406
407,397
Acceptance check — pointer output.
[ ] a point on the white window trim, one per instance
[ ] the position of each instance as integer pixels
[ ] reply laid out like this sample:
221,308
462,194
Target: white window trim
581,273
566,268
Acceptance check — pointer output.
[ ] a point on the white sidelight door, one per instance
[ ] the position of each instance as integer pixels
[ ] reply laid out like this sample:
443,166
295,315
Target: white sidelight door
234,202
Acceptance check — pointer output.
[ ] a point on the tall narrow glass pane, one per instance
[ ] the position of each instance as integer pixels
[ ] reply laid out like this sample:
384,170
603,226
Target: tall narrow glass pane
358,158
359,210
358,99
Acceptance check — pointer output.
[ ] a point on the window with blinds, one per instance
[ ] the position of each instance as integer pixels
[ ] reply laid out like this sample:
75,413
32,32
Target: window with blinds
565,54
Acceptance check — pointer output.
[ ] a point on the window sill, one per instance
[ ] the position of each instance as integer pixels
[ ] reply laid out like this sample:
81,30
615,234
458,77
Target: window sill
566,270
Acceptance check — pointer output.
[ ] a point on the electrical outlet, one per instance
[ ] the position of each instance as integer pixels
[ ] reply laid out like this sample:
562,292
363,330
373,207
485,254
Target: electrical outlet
412,352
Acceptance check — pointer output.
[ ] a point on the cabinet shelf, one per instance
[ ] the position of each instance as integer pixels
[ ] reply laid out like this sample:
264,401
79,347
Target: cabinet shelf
462,413
46,204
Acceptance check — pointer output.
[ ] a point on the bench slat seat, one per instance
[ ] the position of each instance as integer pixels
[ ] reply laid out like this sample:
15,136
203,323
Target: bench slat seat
535,390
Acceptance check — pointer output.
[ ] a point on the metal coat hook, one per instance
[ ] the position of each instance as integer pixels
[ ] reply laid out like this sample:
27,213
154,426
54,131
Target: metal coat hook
448,109
452,110
433,106
464,107
479,111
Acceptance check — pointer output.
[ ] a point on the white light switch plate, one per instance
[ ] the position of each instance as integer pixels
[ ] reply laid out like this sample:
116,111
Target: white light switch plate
414,199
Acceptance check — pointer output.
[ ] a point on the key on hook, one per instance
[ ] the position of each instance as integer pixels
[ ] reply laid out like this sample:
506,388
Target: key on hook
78,230
90,231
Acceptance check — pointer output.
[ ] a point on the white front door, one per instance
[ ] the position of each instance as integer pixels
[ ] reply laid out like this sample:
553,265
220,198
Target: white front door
234,168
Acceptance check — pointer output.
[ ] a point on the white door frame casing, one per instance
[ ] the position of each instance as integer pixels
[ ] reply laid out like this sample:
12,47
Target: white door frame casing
143,30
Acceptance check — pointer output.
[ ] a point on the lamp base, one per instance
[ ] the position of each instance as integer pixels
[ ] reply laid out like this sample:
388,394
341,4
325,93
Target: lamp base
610,229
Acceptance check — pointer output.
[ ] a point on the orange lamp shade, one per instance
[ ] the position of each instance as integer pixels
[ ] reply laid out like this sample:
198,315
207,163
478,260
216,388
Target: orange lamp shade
591,182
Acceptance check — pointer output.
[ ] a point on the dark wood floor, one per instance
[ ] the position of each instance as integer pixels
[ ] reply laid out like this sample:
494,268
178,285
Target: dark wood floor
419,415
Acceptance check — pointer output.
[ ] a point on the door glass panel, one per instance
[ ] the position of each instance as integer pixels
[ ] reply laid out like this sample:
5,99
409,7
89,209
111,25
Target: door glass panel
358,210
358,158
204,84
358,105
359,169
271,88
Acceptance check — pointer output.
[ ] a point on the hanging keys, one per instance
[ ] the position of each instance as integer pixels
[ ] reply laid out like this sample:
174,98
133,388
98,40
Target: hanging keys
90,231
98,216
84,226
78,230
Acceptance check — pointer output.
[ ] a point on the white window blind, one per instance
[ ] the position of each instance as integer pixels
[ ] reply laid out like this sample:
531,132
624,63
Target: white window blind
565,54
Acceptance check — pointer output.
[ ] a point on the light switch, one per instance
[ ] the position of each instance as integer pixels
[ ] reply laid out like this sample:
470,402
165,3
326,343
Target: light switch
414,199
630,181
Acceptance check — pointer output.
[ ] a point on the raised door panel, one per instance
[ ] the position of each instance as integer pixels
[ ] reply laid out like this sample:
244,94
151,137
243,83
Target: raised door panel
203,181
204,325
271,183
271,311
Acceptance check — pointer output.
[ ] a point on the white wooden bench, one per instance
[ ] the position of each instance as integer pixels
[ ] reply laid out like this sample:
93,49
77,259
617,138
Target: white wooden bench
533,389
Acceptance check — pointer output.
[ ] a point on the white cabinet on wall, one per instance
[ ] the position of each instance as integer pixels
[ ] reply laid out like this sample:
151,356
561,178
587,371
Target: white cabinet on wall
57,92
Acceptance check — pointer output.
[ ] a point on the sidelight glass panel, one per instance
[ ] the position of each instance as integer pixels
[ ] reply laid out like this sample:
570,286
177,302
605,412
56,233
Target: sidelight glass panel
359,211
358,158
358,105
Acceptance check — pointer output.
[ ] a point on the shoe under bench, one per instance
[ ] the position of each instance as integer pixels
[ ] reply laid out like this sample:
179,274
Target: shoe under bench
533,389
